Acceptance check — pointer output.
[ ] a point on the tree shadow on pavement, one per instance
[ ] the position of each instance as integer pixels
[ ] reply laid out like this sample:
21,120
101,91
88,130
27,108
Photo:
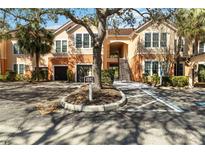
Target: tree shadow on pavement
114,128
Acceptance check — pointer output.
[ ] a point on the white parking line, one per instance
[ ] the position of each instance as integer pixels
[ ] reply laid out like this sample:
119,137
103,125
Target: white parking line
140,110
135,96
169,104
146,104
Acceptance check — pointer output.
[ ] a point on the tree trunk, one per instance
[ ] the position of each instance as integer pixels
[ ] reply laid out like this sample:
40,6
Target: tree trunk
97,63
196,41
37,66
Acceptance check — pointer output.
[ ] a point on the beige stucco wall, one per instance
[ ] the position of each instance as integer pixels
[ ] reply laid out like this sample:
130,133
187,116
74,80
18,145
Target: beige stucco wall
70,37
138,42
17,58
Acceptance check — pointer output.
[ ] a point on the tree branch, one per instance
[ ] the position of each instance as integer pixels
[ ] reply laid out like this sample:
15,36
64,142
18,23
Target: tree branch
16,16
110,12
85,22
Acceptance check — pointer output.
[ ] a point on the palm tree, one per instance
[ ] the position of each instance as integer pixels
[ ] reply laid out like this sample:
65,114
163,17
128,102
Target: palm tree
34,40
191,24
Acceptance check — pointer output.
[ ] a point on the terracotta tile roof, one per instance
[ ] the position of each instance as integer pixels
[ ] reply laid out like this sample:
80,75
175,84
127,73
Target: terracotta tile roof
120,31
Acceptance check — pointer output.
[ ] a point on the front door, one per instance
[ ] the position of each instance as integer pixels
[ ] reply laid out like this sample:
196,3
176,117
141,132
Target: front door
82,71
60,72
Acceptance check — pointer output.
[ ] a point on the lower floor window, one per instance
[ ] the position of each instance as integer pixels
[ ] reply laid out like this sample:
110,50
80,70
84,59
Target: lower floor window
178,69
19,68
151,67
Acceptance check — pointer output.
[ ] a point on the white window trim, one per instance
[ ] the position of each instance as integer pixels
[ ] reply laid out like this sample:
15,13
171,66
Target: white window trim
61,40
18,52
18,68
151,60
152,40
158,39
83,40
198,46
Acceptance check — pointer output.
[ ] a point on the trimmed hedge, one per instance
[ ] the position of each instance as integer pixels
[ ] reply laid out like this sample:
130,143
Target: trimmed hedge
176,81
152,80
107,76
180,81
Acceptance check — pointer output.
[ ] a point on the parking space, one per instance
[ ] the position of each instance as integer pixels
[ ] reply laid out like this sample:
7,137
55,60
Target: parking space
141,98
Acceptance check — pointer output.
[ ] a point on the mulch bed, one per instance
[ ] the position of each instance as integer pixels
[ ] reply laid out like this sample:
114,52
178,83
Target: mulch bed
108,94
46,108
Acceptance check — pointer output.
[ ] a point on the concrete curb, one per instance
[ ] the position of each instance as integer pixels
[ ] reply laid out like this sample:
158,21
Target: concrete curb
94,108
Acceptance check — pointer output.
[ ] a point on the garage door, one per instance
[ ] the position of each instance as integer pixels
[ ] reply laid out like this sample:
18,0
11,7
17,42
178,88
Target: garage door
82,71
60,72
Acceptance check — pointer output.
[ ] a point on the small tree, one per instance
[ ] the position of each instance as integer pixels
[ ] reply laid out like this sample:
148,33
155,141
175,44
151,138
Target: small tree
191,25
36,41
31,34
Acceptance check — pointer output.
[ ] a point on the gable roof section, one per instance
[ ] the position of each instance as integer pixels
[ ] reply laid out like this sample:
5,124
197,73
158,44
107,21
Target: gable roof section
66,26
150,22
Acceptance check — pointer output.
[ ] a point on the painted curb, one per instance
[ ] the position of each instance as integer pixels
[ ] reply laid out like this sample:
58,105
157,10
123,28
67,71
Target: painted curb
94,108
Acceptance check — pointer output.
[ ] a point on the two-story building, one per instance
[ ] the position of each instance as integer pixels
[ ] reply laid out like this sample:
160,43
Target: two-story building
131,52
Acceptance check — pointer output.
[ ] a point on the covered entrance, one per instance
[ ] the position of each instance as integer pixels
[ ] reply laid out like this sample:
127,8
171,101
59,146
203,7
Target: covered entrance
60,73
117,60
82,71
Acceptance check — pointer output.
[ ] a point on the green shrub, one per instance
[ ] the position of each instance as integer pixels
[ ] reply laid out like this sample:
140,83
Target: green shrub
180,81
19,77
145,78
107,76
69,75
166,81
2,77
43,75
201,75
10,75
155,79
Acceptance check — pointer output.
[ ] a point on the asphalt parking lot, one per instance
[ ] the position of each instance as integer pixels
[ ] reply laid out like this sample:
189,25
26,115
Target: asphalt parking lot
147,118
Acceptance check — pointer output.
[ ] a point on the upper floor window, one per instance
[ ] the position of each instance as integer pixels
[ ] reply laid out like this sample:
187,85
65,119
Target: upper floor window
86,41
163,40
64,45
78,40
147,39
155,40
201,47
16,49
181,45
19,68
83,40
61,46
